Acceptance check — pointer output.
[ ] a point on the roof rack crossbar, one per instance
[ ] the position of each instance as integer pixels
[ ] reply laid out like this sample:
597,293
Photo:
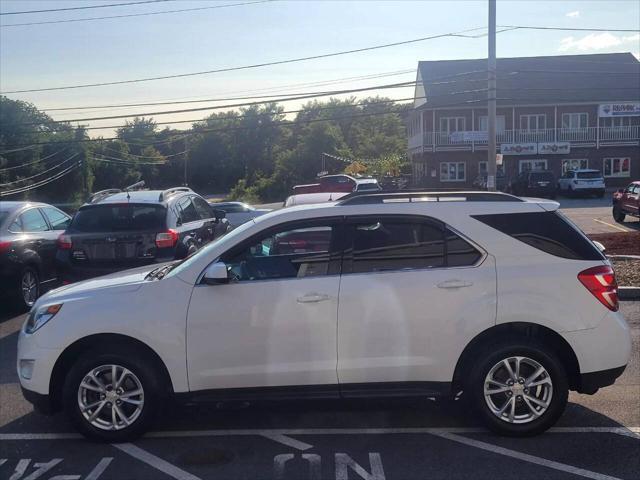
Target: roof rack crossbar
103,194
171,191
363,198
135,186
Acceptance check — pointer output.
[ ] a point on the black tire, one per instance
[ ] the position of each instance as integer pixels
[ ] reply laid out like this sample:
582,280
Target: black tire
546,358
140,366
22,302
618,216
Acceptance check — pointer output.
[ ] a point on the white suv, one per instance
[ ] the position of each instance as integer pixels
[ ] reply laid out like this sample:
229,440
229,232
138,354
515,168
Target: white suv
582,182
378,294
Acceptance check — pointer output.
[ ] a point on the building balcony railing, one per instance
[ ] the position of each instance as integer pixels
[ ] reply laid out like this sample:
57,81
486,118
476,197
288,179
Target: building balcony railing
587,135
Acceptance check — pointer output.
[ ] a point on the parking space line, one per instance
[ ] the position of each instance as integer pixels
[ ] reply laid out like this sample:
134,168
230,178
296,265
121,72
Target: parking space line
288,441
633,432
563,467
99,469
622,229
156,462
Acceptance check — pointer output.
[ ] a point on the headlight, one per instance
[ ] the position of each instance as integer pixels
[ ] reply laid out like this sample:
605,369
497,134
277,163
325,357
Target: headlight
39,317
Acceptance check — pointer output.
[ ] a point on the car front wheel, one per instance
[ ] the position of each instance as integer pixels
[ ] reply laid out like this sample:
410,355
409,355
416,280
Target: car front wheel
519,390
28,288
112,396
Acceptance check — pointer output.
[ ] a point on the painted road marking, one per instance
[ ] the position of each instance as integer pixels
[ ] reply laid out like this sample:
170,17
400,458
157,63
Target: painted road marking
633,432
288,441
622,229
563,467
42,468
156,462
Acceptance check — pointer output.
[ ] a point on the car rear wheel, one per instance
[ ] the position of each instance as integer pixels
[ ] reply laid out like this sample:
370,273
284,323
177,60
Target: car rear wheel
112,396
28,287
618,216
519,389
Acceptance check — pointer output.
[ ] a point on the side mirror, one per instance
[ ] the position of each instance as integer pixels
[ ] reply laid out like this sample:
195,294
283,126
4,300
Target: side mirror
600,246
216,273
219,214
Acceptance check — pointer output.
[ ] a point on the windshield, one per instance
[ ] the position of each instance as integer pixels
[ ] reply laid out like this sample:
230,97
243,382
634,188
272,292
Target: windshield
589,175
119,218
203,252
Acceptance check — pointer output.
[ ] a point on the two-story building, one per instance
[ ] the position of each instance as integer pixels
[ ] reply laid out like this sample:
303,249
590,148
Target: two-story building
553,113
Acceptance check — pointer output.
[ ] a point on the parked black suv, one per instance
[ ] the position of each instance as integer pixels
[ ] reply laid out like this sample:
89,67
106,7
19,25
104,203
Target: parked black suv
28,234
118,230
534,183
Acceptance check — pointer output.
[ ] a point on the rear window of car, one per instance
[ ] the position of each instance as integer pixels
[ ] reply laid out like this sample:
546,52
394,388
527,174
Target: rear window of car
541,176
550,232
119,218
589,175
367,186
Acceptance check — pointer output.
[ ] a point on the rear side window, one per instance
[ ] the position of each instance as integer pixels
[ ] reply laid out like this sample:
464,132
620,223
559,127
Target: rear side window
589,175
119,218
57,219
546,231
386,245
33,221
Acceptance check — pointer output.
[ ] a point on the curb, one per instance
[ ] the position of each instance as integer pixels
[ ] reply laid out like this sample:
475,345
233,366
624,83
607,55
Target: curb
629,293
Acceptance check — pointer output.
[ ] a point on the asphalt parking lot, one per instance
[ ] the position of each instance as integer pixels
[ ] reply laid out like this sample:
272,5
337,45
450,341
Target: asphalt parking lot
598,437
593,215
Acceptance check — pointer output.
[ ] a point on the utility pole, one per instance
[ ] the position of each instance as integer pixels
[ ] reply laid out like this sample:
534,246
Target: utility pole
491,100
186,159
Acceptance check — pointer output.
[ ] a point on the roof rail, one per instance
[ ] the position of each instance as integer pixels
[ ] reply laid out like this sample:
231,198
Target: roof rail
398,196
171,191
103,194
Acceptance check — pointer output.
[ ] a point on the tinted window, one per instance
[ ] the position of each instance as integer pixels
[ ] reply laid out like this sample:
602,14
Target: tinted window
396,245
290,253
33,221
367,186
203,209
541,177
546,231
119,218
589,175
57,219
188,212
460,253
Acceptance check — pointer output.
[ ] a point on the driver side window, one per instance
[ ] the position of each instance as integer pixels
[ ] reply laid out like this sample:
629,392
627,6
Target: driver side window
298,252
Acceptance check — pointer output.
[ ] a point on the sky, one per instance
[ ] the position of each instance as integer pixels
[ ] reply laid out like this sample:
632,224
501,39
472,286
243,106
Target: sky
40,56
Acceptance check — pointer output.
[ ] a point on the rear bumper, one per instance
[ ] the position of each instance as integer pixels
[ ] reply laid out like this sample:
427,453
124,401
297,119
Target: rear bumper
588,191
591,382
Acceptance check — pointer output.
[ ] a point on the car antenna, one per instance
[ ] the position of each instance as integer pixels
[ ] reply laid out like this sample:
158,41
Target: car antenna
135,186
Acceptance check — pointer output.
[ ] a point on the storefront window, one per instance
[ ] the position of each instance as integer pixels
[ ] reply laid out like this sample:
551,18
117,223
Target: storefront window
574,164
452,172
616,167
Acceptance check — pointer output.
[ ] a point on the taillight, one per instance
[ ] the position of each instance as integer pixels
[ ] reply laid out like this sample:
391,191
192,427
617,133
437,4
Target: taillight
167,239
4,246
601,282
64,242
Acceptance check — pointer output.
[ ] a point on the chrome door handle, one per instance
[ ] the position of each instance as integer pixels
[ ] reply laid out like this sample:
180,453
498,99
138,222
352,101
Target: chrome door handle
313,298
454,284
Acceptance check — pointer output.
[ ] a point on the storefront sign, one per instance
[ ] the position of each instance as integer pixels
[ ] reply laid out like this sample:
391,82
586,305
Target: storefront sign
628,109
551,148
519,148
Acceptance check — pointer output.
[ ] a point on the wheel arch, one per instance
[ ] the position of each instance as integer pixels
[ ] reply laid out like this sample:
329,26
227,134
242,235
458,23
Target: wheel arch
517,330
79,347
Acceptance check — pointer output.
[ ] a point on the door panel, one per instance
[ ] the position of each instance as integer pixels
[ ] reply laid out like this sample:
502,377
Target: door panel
411,323
258,334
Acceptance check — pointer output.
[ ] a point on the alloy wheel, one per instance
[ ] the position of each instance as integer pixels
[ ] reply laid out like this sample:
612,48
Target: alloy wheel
110,397
518,390
29,288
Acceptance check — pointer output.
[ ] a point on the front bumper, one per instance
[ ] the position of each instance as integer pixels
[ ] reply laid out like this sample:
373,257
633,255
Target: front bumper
591,382
41,403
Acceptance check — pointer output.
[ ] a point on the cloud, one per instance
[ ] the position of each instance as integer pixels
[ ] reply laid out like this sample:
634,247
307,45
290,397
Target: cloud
596,41
574,14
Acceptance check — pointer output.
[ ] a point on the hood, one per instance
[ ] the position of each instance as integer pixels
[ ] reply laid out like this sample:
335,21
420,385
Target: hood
114,283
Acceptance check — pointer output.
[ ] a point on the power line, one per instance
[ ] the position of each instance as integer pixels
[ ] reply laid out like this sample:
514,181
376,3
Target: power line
236,105
25,12
567,29
222,99
40,173
255,65
42,182
134,14
34,162
19,149
138,156
125,163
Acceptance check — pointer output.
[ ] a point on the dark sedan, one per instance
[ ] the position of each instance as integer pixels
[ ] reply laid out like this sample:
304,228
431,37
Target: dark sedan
28,234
